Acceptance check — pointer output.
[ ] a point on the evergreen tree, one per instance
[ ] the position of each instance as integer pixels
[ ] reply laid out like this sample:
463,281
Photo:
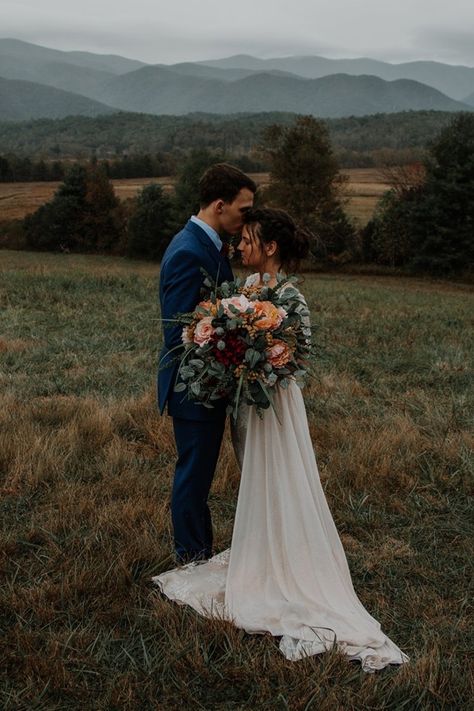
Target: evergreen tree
444,229
187,186
305,181
102,222
5,170
56,225
84,215
151,225
430,226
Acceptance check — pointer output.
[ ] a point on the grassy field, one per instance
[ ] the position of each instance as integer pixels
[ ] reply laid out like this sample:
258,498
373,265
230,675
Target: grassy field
364,189
87,463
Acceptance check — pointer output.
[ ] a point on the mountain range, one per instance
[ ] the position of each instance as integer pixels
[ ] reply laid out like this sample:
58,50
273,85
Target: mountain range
41,82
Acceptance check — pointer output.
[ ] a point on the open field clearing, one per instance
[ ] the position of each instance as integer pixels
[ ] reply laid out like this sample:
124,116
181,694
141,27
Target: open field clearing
365,187
86,467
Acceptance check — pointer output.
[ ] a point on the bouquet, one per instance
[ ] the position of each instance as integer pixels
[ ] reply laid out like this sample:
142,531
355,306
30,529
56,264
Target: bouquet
243,341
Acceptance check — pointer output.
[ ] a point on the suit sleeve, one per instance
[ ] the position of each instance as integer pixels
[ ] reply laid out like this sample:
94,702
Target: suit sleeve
180,292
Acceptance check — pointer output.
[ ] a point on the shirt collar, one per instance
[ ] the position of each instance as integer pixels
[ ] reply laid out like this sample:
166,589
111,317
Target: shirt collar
210,231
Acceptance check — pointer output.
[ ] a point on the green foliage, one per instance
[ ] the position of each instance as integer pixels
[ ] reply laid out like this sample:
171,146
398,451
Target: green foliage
304,181
431,227
12,234
151,225
388,237
444,231
84,215
357,139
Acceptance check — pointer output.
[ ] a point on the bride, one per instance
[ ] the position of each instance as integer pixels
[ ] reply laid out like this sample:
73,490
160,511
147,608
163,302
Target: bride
286,571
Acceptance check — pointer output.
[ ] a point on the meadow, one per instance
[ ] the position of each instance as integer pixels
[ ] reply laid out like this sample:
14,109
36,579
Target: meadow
363,190
86,466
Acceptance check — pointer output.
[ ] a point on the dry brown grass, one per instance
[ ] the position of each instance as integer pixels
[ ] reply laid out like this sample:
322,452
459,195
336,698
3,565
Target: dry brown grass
86,467
19,199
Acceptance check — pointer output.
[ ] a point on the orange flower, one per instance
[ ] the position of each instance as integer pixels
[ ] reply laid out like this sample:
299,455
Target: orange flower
279,354
210,308
267,316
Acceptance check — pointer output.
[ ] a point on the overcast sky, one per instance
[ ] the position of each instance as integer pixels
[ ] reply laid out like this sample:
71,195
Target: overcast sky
184,30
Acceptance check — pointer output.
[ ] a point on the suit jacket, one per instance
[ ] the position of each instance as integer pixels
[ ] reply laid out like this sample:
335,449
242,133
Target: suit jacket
180,291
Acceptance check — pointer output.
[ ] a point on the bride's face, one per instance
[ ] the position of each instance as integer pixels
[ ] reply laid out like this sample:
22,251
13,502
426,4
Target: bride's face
251,250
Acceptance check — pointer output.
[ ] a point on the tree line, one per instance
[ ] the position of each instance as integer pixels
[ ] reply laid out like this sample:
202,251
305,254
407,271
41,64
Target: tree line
359,141
15,168
425,223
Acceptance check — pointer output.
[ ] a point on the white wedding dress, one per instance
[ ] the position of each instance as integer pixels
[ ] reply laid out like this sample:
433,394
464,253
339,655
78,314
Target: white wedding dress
286,571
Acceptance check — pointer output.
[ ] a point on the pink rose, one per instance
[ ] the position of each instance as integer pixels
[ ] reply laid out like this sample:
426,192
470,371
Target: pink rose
241,303
203,331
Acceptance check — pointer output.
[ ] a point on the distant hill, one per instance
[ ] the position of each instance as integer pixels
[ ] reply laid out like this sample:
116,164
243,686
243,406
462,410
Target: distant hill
195,69
157,90
78,72
454,81
20,100
61,75
161,91
469,100
111,63
240,83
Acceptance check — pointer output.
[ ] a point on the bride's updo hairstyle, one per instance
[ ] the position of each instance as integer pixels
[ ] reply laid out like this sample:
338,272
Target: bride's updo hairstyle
273,225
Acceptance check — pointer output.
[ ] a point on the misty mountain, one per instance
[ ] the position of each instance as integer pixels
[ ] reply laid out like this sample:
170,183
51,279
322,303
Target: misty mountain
161,91
61,75
35,54
454,81
156,90
21,100
195,69
233,84
469,100
23,60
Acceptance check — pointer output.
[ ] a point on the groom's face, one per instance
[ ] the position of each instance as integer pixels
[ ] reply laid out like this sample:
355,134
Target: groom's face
232,213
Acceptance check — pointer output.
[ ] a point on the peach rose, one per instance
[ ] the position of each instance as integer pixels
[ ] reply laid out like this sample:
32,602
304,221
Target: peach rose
279,354
268,316
241,303
203,331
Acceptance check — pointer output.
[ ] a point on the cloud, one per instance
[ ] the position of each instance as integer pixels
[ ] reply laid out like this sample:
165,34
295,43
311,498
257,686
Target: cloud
449,44
186,30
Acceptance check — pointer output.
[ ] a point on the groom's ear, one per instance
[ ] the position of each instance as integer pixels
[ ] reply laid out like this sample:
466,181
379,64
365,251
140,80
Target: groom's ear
219,206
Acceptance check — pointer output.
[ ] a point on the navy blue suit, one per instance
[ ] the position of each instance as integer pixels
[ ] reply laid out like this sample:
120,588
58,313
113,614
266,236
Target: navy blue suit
198,430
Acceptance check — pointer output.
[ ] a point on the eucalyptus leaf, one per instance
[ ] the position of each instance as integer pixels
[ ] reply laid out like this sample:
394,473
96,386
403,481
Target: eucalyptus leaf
196,363
195,388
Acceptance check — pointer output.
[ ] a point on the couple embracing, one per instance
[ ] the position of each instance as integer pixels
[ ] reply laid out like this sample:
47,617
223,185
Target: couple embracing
286,572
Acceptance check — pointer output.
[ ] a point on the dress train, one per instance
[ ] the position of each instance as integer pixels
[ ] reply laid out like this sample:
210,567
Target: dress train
286,571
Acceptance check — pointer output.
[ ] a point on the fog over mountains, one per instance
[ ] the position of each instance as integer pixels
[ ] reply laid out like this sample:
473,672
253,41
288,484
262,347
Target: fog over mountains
40,82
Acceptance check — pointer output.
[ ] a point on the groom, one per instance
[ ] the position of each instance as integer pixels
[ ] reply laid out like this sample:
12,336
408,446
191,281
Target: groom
225,195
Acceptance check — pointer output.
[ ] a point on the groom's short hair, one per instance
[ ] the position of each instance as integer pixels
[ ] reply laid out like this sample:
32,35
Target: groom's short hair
223,182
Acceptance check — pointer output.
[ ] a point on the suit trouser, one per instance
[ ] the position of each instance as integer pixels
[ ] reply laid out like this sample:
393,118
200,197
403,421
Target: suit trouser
198,445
